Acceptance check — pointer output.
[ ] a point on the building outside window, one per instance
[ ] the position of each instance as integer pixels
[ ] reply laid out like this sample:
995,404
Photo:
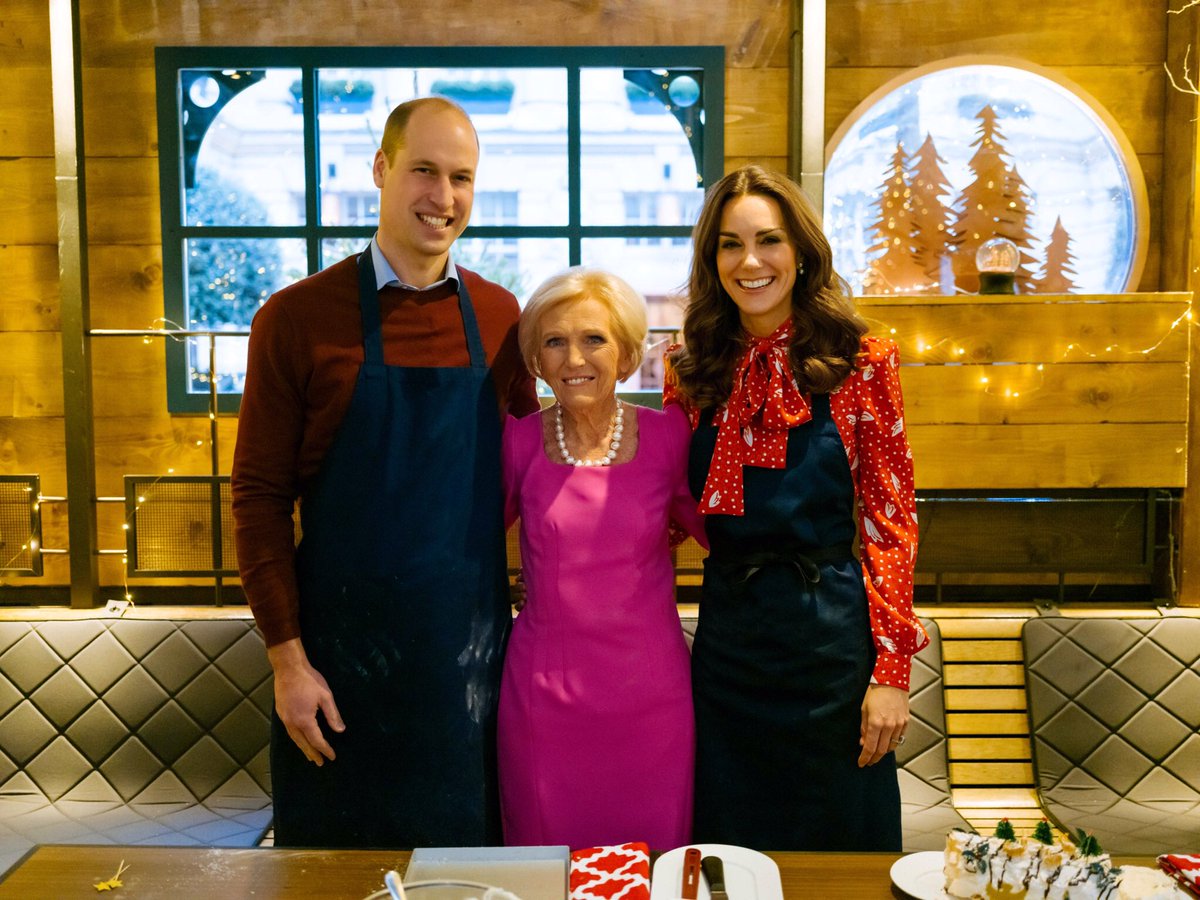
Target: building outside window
265,167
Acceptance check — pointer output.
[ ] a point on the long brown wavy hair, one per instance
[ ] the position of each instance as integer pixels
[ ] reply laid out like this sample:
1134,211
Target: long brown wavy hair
828,330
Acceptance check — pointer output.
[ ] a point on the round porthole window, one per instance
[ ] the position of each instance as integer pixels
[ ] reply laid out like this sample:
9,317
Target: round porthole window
938,162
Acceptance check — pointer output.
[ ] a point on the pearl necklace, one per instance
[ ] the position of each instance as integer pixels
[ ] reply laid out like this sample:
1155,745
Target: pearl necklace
618,428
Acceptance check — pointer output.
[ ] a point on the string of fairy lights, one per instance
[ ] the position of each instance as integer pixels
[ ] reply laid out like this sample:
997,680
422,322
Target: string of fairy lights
159,328
1001,384
1000,379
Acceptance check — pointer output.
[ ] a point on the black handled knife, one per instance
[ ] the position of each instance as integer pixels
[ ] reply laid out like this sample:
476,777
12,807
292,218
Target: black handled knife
714,872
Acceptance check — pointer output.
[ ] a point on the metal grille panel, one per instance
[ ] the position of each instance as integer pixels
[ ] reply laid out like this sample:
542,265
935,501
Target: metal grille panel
20,525
172,529
1064,532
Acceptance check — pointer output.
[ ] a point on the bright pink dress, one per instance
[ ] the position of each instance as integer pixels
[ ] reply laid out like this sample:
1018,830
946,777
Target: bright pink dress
596,736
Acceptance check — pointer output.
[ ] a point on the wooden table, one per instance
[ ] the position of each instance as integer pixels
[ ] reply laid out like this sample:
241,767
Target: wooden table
66,872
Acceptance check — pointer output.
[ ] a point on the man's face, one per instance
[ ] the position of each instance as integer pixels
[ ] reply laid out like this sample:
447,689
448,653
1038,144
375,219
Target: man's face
426,193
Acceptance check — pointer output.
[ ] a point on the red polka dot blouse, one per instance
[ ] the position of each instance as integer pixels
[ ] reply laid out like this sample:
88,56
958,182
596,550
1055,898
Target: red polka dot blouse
868,409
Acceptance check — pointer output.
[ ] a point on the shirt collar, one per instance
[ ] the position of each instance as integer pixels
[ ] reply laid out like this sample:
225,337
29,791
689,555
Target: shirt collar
385,275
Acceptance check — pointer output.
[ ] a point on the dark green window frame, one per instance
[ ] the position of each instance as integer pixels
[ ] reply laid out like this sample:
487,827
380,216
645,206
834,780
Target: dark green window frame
169,61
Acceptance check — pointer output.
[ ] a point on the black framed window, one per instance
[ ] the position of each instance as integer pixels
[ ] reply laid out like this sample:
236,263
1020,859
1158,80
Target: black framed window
592,155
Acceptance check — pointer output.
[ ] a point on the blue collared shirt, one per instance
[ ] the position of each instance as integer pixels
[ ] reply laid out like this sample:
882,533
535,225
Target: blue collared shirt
385,275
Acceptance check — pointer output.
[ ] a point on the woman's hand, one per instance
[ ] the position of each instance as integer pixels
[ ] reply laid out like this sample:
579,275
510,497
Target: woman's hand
884,719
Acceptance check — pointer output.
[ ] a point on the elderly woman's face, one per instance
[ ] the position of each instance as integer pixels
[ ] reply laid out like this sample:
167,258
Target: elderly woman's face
579,356
756,262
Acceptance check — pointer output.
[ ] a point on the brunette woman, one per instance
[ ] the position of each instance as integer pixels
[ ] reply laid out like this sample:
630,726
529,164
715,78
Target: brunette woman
800,667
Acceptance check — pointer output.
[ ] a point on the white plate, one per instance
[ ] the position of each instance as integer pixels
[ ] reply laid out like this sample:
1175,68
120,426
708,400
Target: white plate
749,875
920,875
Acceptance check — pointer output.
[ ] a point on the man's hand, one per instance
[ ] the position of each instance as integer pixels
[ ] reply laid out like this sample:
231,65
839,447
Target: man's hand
884,718
300,691
517,591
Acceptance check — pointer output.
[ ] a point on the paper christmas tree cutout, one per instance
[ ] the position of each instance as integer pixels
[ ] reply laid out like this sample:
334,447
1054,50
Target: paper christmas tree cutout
922,245
983,207
1054,277
930,215
895,270
1015,227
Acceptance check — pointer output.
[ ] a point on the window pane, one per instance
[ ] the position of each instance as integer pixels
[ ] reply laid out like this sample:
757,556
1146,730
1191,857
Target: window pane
637,165
244,168
989,150
228,279
520,264
520,115
336,249
230,360
243,147
660,274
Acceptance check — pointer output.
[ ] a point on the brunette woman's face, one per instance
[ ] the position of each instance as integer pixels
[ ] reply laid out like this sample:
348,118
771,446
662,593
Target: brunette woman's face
756,262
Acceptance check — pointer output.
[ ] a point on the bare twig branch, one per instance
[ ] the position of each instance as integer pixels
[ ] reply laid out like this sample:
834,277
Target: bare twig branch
1191,87
1186,6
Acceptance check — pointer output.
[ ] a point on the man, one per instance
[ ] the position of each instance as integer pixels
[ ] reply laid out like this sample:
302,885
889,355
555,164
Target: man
375,392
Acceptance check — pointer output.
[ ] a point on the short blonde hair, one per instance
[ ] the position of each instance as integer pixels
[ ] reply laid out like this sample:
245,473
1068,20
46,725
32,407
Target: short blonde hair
626,308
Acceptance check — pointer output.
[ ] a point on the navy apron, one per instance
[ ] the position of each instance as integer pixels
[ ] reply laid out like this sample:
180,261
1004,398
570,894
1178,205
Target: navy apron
403,608
782,658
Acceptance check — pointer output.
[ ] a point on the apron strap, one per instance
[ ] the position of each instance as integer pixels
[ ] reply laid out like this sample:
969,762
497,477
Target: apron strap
368,299
470,326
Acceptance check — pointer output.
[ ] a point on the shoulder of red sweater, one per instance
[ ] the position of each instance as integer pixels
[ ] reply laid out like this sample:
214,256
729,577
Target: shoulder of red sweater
341,278
481,288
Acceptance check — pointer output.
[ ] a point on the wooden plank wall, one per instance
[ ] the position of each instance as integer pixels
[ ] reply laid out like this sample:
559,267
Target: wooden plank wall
1045,391
134,432
1115,53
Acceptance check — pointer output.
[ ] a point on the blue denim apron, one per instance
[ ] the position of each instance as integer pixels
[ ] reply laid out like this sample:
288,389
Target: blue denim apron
782,658
403,608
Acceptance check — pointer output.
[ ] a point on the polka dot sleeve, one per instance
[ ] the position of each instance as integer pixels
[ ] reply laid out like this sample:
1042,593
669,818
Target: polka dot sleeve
869,411
672,395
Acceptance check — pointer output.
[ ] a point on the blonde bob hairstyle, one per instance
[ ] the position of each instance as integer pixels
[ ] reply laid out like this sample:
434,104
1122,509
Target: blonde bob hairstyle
626,310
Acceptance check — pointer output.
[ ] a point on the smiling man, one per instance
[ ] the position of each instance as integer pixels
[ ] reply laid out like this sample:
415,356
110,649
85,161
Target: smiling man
374,395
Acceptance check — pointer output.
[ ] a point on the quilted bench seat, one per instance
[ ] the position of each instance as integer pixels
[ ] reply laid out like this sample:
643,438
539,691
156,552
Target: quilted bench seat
133,731
1114,706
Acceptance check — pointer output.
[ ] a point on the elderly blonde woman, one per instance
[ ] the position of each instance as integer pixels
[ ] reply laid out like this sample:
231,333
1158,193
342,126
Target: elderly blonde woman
595,725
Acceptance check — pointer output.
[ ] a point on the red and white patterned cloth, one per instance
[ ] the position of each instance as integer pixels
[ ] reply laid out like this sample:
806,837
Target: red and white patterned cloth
618,872
1183,868
868,409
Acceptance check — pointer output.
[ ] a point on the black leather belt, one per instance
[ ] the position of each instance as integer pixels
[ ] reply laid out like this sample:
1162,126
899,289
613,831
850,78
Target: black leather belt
741,567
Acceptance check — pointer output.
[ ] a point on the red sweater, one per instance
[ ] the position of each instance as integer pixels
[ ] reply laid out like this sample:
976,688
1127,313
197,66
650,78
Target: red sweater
305,353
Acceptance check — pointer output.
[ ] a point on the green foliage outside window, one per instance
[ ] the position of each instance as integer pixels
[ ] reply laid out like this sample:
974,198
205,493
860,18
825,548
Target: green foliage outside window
228,279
